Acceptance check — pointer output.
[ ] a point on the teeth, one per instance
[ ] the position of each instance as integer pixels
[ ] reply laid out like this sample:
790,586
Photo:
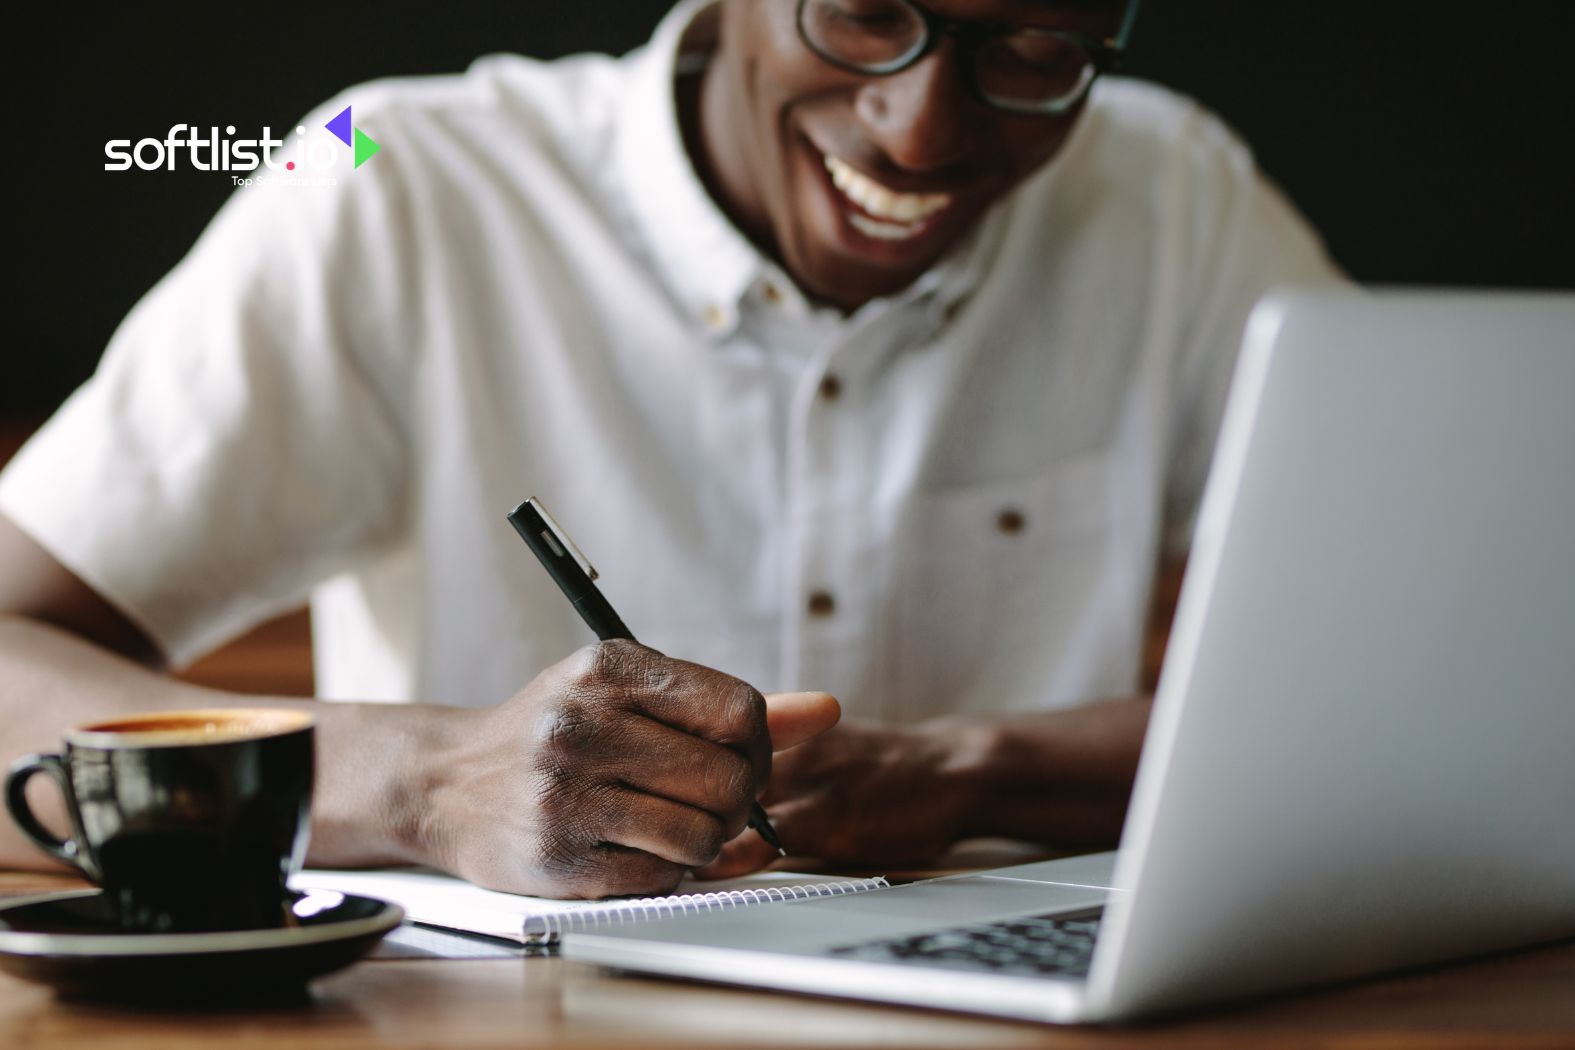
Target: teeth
883,203
885,231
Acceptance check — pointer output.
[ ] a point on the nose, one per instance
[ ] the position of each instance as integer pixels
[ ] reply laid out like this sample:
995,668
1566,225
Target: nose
922,118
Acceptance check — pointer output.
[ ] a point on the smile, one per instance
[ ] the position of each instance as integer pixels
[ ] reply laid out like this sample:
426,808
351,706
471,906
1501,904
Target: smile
882,212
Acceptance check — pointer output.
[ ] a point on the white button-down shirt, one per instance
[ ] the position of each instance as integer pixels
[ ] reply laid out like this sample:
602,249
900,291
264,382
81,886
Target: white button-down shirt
952,500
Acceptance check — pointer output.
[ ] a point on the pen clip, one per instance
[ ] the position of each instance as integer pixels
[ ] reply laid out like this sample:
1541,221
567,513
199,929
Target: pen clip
558,539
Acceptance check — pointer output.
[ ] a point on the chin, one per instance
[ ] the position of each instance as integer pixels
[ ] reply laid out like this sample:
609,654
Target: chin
843,251
827,270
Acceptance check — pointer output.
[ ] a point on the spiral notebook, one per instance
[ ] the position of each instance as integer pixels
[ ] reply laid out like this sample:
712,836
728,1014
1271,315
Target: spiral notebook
435,899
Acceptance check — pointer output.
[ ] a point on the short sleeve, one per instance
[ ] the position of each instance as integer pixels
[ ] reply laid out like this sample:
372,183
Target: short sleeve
241,438
1244,238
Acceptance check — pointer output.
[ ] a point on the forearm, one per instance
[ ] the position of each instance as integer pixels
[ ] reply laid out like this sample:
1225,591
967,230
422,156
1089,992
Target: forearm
1062,778
371,758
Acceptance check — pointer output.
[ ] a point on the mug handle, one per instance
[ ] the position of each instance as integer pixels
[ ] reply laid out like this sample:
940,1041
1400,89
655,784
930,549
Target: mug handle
22,770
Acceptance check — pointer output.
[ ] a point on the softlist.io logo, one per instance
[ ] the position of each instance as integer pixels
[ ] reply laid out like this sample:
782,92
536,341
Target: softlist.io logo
359,141
209,150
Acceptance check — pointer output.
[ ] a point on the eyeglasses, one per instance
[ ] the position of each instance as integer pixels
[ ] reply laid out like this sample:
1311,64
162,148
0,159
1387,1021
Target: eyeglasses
1018,69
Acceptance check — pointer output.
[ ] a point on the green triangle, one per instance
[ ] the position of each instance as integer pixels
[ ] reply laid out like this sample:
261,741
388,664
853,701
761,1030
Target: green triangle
365,148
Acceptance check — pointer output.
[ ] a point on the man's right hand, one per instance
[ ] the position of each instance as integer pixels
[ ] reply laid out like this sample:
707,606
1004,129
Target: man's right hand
615,771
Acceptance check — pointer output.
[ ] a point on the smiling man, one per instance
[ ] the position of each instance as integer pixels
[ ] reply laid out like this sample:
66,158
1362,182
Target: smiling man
868,346
857,140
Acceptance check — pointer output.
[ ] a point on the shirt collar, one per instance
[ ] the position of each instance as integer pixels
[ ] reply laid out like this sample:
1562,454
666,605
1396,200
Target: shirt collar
707,265
702,258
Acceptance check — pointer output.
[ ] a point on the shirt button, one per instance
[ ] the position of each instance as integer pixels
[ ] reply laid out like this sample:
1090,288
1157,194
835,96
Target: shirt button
1011,521
830,387
771,293
715,317
821,603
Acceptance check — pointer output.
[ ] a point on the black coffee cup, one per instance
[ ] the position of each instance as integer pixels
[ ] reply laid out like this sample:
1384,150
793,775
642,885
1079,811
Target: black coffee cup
191,821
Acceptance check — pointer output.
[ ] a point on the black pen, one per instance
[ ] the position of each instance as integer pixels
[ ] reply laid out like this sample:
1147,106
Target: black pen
576,579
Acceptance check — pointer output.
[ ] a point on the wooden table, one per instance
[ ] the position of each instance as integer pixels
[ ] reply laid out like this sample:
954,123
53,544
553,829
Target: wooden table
1526,999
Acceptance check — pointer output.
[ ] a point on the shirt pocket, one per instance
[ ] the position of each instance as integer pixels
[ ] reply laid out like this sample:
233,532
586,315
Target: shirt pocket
1001,592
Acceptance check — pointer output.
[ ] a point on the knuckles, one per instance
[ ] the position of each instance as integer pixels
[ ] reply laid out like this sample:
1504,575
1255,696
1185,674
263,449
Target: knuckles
608,677
567,808
621,872
703,845
582,714
741,714
583,721
566,729
606,665
730,780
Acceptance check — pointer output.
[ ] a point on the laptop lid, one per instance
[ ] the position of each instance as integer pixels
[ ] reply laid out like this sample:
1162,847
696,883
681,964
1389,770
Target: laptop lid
1360,753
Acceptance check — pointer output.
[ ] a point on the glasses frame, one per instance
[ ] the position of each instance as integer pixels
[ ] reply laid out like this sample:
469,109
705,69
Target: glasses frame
1105,54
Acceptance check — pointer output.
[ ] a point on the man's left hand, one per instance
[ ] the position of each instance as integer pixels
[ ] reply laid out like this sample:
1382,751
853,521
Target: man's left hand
860,793
875,796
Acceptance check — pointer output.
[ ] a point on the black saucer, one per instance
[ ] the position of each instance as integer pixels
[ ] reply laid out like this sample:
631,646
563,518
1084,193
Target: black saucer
69,941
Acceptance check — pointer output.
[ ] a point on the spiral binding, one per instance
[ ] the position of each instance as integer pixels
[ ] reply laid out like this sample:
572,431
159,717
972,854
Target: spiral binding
547,929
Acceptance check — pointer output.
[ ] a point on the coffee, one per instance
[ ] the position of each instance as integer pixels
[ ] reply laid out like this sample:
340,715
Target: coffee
190,727
190,821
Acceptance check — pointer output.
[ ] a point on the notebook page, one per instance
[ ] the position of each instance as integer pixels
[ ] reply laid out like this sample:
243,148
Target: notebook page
442,900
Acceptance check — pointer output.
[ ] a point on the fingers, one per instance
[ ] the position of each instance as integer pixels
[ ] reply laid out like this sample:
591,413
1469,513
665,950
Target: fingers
594,839
641,767
612,870
792,718
697,700
740,856
659,760
678,834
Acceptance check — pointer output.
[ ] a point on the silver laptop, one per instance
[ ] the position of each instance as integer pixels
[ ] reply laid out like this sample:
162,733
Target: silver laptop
1360,752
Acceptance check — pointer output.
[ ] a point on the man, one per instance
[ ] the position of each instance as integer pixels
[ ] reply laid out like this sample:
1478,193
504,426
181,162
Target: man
867,345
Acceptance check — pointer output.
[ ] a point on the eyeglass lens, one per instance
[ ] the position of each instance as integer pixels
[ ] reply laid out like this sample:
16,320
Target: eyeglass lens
1025,68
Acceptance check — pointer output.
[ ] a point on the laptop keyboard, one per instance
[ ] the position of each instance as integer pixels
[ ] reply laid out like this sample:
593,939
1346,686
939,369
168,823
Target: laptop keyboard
1037,945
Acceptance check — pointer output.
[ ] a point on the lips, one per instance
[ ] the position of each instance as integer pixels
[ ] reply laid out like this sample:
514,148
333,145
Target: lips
880,212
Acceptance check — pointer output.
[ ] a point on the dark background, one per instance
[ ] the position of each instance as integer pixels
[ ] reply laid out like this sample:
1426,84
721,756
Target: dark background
1429,142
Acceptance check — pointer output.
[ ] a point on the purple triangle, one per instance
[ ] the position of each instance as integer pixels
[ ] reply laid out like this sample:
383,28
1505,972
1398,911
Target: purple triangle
340,126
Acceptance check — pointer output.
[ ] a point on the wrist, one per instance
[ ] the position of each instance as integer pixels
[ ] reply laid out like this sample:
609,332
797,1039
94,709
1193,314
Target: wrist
381,769
965,768
1061,776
